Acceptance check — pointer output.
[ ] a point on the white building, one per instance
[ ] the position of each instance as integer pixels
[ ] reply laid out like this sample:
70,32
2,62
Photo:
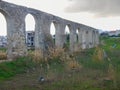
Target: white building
3,41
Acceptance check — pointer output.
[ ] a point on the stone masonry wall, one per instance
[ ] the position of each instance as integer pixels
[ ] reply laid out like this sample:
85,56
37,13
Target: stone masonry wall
15,15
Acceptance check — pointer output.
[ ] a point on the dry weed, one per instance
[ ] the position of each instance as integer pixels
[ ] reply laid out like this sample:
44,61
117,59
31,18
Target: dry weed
3,55
98,55
36,55
55,53
72,64
111,72
59,55
67,59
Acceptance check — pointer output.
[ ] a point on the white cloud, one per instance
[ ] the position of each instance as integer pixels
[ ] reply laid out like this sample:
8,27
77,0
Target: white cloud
98,7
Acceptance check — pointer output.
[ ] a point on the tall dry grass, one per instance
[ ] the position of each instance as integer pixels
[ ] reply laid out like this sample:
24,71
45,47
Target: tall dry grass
3,55
112,73
55,53
65,57
98,55
72,64
37,56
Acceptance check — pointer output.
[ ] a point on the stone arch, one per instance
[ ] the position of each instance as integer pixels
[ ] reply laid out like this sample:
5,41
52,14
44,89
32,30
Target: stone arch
15,20
53,28
7,19
77,35
3,31
9,29
29,18
80,36
30,31
67,35
67,29
3,25
5,14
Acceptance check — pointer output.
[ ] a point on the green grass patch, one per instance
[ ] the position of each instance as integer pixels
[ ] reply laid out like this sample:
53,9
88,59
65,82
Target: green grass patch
10,69
3,49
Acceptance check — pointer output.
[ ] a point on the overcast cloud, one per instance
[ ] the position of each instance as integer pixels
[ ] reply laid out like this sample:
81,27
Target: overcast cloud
97,7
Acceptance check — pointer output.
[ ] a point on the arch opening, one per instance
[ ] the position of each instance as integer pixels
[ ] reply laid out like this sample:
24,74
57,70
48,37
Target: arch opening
53,32
77,34
67,37
30,31
3,25
3,35
3,31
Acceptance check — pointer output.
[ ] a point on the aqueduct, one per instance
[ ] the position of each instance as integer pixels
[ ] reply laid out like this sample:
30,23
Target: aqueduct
88,37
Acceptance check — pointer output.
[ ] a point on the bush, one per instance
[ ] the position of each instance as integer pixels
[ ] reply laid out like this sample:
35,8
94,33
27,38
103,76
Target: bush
3,55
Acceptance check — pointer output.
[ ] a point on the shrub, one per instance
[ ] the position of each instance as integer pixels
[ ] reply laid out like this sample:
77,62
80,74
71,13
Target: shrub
37,56
3,55
98,55
56,54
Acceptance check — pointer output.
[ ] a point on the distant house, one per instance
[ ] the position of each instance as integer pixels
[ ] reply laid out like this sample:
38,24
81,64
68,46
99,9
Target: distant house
114,33
3,41
30,38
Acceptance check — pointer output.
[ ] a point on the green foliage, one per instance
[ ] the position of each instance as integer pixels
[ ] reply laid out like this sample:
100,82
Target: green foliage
9,69
3,49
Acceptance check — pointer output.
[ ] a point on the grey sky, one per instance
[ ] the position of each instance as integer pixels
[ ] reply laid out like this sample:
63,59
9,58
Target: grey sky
81,11
97,7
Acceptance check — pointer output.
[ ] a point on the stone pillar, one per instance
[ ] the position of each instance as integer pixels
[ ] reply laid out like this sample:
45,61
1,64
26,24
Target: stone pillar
39,36
14,16
43,39
97,37
72,38
60,37
80,37
90,38
85,39
93,38
48,40
16,37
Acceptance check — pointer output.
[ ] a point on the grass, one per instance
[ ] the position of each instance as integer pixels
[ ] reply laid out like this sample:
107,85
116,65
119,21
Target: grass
2,49
10,69
94,69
